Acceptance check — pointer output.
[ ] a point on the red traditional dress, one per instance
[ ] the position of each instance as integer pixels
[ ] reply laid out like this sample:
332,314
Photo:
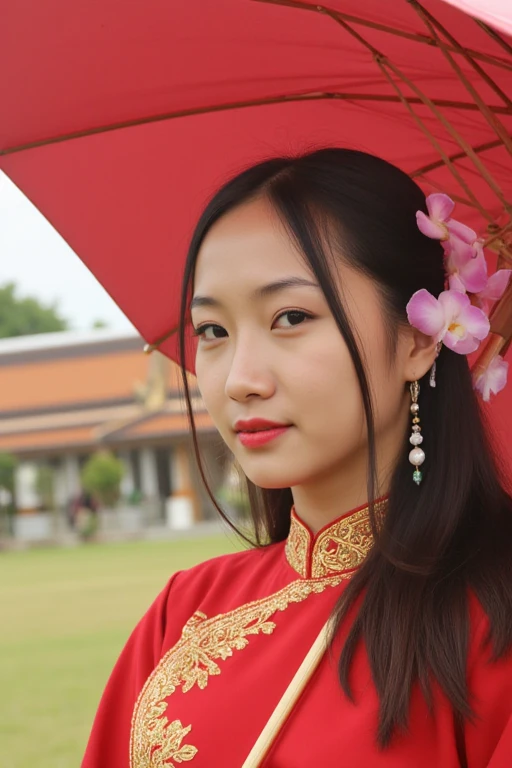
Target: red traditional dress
207,665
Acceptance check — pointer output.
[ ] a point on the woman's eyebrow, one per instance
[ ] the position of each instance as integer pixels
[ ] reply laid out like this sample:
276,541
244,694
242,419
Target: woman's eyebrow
261,292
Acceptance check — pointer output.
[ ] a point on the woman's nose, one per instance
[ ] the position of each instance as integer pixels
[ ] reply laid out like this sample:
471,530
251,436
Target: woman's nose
249,374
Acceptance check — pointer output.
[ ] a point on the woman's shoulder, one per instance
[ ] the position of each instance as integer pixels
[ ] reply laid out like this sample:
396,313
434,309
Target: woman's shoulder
244,563
217,586
228,576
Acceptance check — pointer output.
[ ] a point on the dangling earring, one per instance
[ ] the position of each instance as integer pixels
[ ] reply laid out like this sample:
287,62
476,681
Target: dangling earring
432,380
417,455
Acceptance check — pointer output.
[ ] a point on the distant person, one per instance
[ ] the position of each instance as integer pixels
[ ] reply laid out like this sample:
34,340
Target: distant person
324,317
83,514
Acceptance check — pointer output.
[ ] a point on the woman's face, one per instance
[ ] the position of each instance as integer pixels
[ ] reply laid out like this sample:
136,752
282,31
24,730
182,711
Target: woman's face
270,349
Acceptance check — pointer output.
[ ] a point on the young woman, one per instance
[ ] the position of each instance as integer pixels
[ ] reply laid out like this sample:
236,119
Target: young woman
370,625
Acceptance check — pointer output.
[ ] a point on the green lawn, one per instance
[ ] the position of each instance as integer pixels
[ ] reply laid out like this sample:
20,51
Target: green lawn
65,614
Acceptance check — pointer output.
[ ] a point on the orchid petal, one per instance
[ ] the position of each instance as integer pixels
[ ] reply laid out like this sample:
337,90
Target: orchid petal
465,325
425,313
459,252
468,345
494,379
433,229
474,274
464,233
439,206
496,285
462,346
453,303
475,321
456,283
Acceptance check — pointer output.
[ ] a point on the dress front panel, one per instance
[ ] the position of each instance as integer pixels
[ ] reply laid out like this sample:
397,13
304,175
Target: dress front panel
205,668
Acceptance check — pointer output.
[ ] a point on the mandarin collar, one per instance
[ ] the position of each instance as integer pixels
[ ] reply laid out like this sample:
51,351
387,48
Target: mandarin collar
339,546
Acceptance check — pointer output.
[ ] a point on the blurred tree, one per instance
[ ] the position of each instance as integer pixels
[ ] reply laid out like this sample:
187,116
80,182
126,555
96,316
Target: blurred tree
101,476
22,317
8,464
100,324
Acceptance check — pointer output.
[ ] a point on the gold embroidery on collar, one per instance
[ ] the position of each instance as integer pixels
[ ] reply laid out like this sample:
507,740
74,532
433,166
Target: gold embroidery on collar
296,548
153,740
341,547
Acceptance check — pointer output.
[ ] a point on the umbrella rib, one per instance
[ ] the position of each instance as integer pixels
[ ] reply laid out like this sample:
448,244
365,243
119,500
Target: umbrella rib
469,192
415,36
442,188
456,156
494,35
148,348
493,121
452,131
384,64
316,96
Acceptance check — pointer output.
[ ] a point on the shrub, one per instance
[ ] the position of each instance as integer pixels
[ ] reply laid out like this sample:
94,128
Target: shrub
101,477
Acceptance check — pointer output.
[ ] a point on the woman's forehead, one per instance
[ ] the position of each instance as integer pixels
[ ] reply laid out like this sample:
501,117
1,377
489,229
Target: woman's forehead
250,247
247,243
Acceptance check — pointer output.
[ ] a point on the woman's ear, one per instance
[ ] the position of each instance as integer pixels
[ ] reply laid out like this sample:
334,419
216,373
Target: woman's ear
420,354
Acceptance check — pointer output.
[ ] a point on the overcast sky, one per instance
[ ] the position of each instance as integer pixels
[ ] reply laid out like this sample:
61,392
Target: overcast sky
42,265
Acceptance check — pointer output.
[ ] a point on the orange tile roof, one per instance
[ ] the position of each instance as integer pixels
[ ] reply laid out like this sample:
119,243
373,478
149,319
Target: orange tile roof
165,423
47,439
159,425
62,382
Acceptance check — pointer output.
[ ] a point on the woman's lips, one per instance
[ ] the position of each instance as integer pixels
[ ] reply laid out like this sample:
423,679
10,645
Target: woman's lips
260,437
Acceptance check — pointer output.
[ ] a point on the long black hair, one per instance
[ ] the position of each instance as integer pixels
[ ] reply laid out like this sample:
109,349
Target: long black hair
453,533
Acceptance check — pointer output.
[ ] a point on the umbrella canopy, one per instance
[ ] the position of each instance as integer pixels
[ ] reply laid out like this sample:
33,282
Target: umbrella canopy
497,13
121,119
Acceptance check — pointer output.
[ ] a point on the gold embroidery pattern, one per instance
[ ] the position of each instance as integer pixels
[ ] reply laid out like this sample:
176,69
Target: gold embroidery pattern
341,547
170,736
191,662
296,548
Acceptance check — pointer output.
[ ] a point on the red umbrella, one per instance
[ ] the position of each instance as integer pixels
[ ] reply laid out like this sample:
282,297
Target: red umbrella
498,13
121,119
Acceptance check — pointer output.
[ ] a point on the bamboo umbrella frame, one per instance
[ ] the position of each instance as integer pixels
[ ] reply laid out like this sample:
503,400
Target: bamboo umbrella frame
499,233
499,236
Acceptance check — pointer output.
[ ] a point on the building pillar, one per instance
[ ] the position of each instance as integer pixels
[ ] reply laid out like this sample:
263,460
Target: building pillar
60,492
128,481
183,508
25,479
72,475
180,470
148,473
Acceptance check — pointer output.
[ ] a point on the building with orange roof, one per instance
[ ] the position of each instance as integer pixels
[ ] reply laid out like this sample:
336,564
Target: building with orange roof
65,395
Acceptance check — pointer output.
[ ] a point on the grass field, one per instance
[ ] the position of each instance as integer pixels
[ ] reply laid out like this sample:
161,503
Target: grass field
65,614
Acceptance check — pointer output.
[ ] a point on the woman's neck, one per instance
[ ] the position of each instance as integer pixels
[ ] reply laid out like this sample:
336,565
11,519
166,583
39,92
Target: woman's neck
324,500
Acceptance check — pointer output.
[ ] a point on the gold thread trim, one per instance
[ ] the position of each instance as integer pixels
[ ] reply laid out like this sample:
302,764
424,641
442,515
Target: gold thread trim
342,546
154,741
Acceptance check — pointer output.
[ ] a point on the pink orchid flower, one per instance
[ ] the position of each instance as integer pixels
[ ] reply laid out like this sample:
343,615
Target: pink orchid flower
493,380
438,225
465,265
494,290
451,319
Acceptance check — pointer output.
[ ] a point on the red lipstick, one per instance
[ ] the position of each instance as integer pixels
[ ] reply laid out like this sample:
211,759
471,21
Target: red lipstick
255,432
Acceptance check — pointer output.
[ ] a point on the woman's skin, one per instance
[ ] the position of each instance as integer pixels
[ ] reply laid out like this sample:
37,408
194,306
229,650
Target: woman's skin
296,369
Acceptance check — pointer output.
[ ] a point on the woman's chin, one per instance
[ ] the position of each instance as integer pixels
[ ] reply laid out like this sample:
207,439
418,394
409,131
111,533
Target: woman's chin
272,476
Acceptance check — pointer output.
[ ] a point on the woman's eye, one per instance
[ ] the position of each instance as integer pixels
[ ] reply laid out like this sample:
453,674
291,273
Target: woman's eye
292,318
289,319
210,332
